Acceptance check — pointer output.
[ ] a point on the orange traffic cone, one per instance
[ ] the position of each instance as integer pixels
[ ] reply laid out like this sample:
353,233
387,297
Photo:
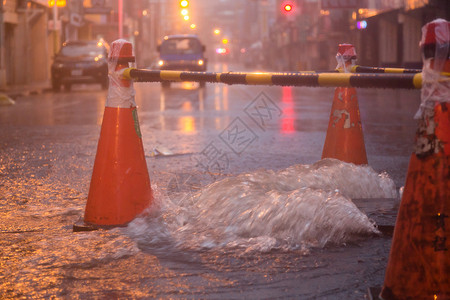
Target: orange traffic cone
345,140
419,261
120,185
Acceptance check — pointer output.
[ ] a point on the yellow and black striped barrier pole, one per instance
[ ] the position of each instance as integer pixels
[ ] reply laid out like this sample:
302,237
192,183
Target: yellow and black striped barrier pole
363,69
397,81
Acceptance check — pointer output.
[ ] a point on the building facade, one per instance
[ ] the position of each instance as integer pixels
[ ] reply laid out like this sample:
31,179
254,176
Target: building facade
386,33
26,42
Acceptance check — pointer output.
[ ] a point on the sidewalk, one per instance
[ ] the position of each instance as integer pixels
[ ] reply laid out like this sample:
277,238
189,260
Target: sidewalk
16,91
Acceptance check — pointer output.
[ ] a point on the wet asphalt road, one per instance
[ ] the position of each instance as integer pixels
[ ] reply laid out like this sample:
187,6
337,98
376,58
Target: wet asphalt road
47,149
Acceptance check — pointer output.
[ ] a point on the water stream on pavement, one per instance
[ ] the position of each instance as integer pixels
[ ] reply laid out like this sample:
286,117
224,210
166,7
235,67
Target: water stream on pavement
300,207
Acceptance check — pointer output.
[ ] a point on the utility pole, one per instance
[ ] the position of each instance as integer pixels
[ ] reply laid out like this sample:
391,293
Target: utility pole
120,12
2,49
55,29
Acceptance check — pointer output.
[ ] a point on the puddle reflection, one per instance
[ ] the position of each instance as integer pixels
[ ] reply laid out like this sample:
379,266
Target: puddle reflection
190,110
288,113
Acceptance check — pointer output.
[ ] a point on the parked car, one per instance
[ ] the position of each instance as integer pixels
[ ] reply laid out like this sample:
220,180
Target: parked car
183,52
80,62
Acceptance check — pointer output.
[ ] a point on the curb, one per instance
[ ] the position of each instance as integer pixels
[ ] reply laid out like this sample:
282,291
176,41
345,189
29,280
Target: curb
15,92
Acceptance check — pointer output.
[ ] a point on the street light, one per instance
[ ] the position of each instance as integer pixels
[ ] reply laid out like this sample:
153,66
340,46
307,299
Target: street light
291,8
361,24
184,4
288,7
59,3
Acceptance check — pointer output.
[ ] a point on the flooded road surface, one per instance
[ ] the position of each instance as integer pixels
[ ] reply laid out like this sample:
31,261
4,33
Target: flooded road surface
262,218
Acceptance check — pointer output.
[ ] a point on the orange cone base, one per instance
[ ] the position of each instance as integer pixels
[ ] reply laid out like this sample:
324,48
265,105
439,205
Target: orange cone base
419,261
345,140
120,185
81,226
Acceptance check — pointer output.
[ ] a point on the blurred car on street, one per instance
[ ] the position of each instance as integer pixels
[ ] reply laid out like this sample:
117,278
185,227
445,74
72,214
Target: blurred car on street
80,62
183,52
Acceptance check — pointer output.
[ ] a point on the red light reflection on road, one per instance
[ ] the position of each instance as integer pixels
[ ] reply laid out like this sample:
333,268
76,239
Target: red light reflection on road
288,115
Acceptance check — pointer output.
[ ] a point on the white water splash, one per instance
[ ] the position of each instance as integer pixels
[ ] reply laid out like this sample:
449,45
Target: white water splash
299,207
